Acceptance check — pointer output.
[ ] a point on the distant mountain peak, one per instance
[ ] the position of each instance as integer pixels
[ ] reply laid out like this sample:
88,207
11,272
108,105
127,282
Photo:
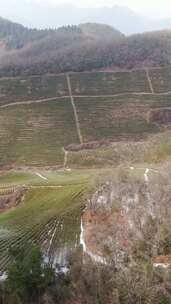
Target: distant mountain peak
50,16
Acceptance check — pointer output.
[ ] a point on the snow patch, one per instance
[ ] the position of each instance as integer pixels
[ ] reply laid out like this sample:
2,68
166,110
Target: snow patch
95,257
3,276
41,176
146,177
162,265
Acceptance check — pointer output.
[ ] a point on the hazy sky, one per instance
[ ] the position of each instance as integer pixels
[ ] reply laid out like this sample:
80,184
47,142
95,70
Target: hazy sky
152,8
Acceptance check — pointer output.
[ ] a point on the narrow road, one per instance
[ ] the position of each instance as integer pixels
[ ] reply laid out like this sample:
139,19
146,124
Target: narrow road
74,109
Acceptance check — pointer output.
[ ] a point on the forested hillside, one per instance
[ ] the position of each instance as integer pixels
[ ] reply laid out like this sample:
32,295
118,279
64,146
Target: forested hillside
16,36
78,48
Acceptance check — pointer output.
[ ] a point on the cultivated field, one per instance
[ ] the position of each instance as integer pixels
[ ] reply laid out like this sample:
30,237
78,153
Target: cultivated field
109,83
32,88
35,134
161,79
48,215
118,118
41,116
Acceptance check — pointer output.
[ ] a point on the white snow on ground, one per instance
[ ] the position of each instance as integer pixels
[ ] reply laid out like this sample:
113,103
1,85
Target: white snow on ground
41,176
82,242
161,265
52,237
3,276
146,175
95,257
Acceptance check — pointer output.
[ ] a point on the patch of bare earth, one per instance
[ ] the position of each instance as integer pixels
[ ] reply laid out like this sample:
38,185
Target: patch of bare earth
8,201
87,146
99,229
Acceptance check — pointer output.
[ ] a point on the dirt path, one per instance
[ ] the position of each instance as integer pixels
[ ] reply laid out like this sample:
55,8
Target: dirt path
149,81
124,94
27,102
74,109
43,187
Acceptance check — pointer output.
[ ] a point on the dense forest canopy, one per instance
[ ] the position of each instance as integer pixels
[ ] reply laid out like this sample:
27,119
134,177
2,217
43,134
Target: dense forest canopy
78,48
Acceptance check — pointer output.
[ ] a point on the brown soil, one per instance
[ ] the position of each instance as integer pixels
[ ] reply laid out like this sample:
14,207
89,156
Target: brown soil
11,200
98,225
6,168
163,259
87,146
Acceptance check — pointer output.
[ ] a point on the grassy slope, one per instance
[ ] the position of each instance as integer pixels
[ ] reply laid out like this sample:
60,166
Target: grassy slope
44,207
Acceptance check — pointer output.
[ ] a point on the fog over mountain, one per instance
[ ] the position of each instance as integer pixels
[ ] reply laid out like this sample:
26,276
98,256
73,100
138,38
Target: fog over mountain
34,14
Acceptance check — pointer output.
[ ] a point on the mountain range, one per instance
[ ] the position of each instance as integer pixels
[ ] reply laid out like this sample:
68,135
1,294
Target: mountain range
83,47
36,15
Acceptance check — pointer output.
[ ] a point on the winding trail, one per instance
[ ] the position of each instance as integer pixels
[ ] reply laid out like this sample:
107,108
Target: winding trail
74,109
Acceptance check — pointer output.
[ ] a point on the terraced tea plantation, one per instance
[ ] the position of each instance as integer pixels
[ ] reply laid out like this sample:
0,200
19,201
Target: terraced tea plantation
119,118
41,116
34,134
109,83
48,214
161,79
32,88
42,197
